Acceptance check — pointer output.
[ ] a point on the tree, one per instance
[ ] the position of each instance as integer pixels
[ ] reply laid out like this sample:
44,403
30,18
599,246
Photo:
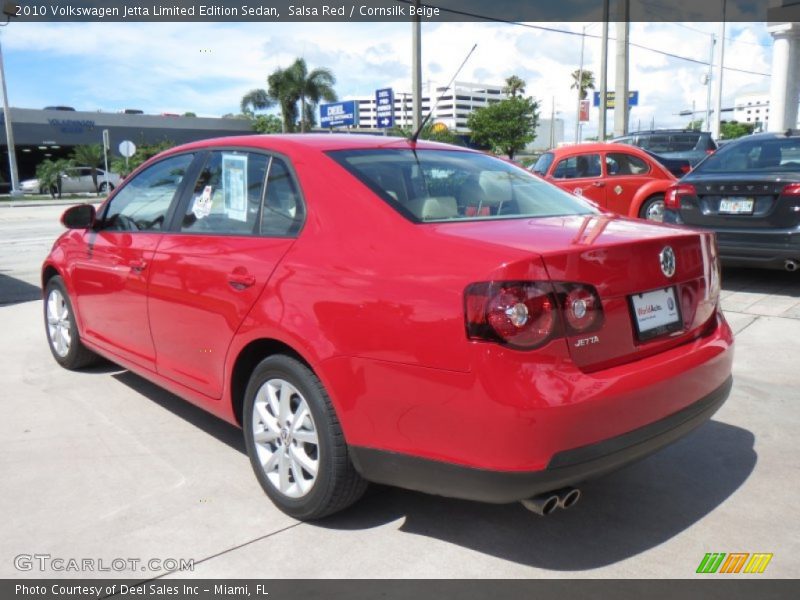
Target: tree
436,132
267,124
90,155
49,172
311,87
514,85
506,126
586,83
729,130
696,125
189,114
143,152
289,87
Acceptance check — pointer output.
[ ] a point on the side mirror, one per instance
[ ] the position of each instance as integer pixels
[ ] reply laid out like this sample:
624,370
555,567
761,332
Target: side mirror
81,216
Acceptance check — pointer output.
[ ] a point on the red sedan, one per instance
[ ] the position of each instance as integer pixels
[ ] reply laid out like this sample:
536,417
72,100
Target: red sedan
371,309
622,179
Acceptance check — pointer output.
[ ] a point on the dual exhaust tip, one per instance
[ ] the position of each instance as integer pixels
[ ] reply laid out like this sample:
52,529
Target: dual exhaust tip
546,503
791,265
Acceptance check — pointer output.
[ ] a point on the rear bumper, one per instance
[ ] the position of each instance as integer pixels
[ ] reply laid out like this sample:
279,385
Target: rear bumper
565,468
764,248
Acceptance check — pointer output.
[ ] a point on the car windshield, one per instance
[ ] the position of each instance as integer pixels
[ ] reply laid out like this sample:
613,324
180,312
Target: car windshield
544,162
757,155
445,185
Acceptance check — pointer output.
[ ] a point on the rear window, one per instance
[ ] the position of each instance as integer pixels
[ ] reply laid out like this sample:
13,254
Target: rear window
443,185
759,155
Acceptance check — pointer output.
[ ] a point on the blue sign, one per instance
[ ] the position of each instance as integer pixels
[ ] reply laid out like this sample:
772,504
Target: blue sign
338,114
633,98
384,107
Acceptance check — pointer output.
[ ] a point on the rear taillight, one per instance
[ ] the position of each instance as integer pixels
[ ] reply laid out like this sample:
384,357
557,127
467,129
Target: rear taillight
792,189
710,151
686,168
672,198
526,315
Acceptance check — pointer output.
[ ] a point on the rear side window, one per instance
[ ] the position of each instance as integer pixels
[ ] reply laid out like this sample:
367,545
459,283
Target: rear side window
227,194
621,163
575,167
444,185
143,203
283,207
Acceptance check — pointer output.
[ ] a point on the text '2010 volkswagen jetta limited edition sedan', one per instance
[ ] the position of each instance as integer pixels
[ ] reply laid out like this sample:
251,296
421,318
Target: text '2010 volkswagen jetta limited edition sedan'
406,313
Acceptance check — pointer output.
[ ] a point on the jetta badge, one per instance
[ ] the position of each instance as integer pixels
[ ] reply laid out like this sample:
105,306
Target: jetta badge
667,260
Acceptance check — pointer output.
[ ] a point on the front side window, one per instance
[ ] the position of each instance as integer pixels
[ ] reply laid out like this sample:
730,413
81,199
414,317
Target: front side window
143,203
576,167
227,194
621,163
445,185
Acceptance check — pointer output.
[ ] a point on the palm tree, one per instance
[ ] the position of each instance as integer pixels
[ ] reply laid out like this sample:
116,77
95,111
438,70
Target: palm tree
514,85
311,87
90,155
288,87
587,81
49,172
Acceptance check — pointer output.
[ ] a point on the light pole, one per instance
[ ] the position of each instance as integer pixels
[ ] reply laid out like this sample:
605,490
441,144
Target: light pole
707,78
12,150
715,128
580,89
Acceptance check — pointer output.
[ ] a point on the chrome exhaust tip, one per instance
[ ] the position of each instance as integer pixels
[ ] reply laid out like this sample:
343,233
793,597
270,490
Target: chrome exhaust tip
568,497
543,504
791,265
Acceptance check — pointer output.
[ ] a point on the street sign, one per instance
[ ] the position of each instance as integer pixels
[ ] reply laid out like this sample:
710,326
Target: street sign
584,111
384,107
338,114
127,148
633,98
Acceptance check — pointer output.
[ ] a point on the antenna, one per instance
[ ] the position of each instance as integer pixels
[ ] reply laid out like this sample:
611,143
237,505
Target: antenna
415,135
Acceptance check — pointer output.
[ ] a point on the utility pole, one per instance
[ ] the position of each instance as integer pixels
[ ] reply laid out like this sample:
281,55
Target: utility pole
715,125
601,131
621,77
416,68
12,149
580,89
709,76
553,124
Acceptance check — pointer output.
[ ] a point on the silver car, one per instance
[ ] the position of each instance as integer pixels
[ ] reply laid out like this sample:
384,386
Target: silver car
76,180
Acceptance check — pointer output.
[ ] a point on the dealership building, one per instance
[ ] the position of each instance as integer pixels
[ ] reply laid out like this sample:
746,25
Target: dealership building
42,134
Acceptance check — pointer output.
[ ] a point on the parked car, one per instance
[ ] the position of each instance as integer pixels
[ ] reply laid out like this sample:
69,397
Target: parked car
687,144
748,192
622,179
76,180
677,166
413,314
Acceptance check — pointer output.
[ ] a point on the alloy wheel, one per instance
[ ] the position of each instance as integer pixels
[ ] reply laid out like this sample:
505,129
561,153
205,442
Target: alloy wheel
58,323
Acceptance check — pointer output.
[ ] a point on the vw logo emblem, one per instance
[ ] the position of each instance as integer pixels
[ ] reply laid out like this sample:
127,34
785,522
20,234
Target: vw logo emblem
667,260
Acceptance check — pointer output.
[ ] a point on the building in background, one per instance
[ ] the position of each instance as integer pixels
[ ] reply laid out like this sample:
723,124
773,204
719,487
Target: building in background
41,134
754,109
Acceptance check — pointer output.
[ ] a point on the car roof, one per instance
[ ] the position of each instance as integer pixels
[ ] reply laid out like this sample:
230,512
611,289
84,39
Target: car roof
770,135
316,141
596,147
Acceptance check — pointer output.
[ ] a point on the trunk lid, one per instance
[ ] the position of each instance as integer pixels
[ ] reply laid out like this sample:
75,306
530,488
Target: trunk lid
620,258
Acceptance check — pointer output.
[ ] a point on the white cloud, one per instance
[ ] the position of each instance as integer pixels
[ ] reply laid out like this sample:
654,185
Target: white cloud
207,67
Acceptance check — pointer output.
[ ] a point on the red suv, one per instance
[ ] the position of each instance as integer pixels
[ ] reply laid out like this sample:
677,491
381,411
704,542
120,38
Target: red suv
414,314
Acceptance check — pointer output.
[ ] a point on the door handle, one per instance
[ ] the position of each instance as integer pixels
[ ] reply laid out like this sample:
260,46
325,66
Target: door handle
599,184
138,266
241,281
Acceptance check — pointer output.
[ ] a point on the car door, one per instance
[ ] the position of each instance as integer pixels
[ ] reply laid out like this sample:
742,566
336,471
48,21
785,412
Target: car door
626,173
230,233
582,175
70,181
111,278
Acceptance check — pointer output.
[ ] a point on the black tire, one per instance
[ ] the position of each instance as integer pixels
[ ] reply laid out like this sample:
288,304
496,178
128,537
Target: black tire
337,485
77,355
650,207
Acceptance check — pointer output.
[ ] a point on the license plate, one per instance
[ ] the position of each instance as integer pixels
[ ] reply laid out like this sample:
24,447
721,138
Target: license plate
736,205
656,313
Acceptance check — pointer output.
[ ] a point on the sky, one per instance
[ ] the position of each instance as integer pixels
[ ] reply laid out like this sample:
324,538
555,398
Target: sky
207,67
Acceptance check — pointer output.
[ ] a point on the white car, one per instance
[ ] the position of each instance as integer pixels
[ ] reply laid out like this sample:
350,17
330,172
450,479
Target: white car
76,180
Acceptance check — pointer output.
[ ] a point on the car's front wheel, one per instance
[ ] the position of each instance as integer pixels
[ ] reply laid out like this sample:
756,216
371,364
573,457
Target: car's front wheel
106,187
653,208
295,442
62,330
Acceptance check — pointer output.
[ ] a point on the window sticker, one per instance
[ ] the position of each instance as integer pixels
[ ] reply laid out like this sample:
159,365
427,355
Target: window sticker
234,184
202,203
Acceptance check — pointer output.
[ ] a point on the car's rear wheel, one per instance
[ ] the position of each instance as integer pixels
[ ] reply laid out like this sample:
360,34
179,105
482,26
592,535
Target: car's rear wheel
62,330
105,187
295,442
653,208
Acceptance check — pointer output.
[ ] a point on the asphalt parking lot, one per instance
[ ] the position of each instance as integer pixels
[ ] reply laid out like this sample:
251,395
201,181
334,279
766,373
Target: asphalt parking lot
101,464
